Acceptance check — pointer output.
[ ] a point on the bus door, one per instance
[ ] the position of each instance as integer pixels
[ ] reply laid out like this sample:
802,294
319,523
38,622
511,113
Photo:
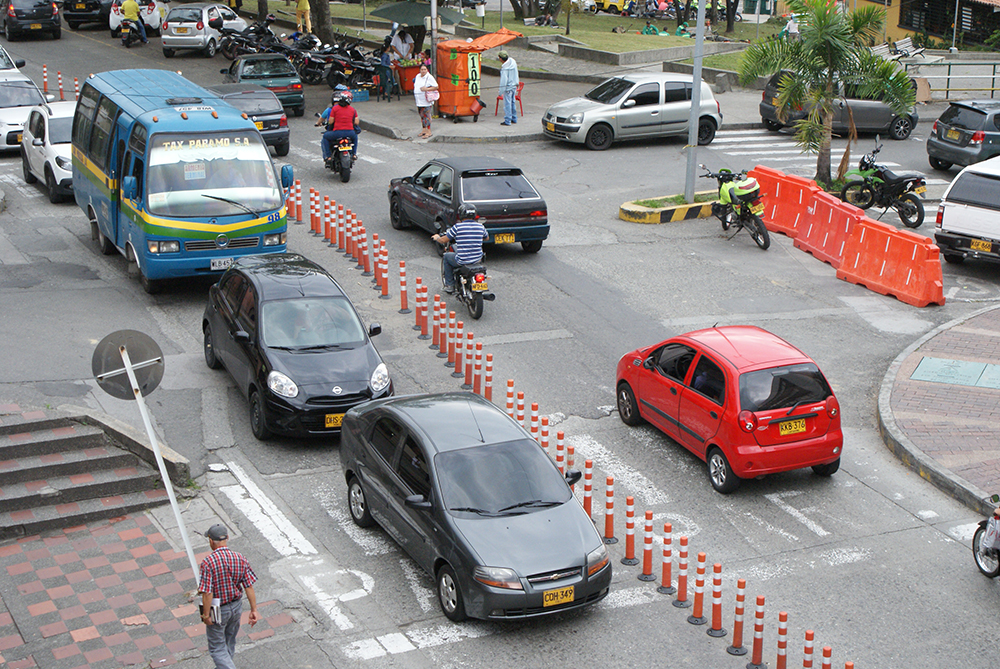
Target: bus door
133,164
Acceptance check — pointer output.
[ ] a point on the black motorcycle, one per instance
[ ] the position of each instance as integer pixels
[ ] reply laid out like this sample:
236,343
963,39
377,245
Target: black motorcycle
471,287
739,205
340,160
129,33
881,187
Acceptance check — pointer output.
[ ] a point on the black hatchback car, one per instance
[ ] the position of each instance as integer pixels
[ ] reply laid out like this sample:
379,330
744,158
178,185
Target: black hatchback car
293,343
263,108
967,132
507,204
476,502
30,17
77,12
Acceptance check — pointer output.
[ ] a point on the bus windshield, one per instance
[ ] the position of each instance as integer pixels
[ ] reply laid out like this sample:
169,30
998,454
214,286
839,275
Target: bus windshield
211,174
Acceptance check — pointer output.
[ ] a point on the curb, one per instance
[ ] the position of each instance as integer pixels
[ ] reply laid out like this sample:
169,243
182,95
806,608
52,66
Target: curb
909,455
636,213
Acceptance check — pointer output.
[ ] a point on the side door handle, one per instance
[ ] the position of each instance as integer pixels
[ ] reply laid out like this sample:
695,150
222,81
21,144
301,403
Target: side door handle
673,391
713,414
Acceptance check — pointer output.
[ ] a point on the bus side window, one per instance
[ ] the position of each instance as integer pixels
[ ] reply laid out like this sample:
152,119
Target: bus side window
84,118
137,168
100,137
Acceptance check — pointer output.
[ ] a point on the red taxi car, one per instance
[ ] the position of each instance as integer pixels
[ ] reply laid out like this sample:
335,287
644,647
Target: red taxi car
742,399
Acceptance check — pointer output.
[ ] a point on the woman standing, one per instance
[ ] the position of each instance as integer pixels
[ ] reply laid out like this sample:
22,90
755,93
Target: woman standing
423,84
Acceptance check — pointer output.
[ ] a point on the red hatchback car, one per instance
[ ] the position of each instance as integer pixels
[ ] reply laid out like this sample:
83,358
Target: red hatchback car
742,399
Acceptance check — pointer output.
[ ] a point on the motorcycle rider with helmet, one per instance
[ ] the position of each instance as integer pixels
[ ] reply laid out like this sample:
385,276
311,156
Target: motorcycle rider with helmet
341,121
468,235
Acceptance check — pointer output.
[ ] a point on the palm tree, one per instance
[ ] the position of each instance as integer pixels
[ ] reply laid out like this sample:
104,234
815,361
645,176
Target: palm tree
832,53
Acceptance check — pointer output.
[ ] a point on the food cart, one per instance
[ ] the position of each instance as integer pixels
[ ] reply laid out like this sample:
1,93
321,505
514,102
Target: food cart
459,73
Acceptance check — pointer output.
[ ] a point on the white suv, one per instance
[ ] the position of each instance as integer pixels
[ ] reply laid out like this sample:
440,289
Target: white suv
47,150
968,218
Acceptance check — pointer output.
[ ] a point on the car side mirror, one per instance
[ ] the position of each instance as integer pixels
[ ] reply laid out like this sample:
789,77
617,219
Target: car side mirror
628,103
215,24
50,97
647,363
37,141
19,63
241,336
130,186
417,502
572,476
407,180
287,176
374,329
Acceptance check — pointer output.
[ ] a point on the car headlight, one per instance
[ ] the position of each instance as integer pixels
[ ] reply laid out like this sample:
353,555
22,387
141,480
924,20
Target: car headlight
597,560
498,577
276,239
575,118
282,385
164,246
380,378
64,163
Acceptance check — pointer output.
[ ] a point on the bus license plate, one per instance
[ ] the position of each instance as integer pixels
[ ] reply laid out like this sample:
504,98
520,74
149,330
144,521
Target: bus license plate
181,31
334,419
920,189
981,245
221,263
757,208
792,427
36,26
504,238
556,597
480,287
259,124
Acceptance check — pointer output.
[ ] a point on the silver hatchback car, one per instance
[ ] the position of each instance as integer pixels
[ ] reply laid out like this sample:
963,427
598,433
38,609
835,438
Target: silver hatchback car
187,27
632,106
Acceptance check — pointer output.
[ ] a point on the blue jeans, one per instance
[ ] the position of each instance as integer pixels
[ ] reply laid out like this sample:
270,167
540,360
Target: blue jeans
331,137
448,266
222,637
509,110
140,25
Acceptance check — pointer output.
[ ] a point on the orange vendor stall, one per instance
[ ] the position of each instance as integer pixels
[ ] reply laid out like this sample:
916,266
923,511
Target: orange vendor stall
459,73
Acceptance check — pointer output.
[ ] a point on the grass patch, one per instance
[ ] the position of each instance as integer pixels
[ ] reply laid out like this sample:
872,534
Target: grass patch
674,200
721,61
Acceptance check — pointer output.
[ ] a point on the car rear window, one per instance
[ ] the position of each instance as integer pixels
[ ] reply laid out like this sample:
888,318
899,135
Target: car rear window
980,190
488,186
184,15
782,387
610,91
268,67
966,118
255,103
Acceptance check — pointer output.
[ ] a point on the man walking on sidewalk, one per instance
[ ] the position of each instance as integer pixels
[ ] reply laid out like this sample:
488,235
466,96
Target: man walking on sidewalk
225,574
508,87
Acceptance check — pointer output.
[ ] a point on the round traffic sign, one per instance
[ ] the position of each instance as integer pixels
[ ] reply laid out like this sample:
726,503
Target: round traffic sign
143,354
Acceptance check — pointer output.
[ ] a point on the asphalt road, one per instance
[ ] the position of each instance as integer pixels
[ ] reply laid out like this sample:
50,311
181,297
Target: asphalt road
874,559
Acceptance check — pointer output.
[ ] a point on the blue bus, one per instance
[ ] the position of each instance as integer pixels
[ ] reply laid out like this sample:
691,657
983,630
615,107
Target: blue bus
172,177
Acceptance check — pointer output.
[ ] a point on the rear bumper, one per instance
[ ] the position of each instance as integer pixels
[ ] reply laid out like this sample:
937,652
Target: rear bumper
275,137
954,244
522,233
751,461
769,112
23,26
957,155
183,41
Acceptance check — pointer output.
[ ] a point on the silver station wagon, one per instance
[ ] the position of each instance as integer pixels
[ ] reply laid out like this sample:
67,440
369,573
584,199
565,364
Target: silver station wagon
632,106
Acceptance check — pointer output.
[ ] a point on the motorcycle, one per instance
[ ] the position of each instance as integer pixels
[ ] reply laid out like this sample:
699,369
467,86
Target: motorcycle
129,33
740,205
987,559
471,287
881,187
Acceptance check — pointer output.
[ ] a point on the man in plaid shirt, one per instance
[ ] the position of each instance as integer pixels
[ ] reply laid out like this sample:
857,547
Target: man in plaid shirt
225,574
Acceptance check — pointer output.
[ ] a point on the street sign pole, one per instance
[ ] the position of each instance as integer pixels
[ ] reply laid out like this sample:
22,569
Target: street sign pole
693,118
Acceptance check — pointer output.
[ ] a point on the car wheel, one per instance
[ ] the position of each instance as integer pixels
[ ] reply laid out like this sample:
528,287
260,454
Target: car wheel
706,131
300,110
396,215
450,594
258,424
151,286
357,504
115,32
954,258
828,469
773,126
599,137
7,32
901,127
168,53
210,358
26,170
939,164
57,33
720,473
532,247
210,49
53,189
628,409
73,25
281,149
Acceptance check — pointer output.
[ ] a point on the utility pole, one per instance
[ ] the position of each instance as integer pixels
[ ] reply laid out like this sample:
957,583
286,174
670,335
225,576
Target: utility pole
695,115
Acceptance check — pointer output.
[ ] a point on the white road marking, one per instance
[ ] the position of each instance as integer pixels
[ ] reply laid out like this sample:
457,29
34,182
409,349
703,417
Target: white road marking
371,541
839,556
883,315
777,499
369,159
416,580
519,337
731,514
396,643
587,447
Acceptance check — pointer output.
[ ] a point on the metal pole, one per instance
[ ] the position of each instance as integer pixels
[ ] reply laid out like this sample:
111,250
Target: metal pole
434,33
692,147
954,26
159,460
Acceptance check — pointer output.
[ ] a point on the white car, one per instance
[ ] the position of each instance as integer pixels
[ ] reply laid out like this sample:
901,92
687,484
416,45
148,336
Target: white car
18,94
186,27
46,148
152,13
8,63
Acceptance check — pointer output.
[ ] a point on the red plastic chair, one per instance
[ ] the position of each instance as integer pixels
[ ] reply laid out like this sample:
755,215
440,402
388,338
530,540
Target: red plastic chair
517,97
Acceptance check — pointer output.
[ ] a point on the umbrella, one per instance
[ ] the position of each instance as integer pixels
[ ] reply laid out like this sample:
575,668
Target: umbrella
413,13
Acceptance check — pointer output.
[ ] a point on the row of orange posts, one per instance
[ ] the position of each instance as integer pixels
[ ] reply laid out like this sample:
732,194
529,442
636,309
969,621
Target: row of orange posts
868,253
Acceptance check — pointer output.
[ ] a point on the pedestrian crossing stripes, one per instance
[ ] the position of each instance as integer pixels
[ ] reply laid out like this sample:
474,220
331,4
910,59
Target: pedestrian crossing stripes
779,147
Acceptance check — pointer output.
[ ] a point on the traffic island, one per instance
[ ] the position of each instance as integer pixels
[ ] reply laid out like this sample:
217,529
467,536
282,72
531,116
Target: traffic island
668,209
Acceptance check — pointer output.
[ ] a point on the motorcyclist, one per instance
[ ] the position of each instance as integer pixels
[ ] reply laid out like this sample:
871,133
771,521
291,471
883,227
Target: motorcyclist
130,11
341,121
468,235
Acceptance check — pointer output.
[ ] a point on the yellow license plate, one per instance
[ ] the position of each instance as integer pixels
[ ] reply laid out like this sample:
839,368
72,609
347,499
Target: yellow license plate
36,26
334,419
981,245
348,71
920,189
19,136
505,238
954,134
479,287
259,124
181,31
792,427
551,127
757,209
556,597
80,5
125,31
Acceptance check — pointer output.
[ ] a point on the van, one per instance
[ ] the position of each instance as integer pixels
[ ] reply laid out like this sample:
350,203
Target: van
968,218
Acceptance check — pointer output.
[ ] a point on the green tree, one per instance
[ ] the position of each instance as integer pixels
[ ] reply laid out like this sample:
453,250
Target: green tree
831,54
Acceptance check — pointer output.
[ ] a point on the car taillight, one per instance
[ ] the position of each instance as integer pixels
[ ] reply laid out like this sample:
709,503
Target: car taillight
200,25
151,7
934,128
296,87
165,25
115,9
10,11
940,217
479,278
977,137
718,107
763,95
283,122
55,9
832,407
539,212
748,421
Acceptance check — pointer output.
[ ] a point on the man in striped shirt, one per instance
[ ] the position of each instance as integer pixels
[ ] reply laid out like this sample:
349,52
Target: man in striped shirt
468,235
225,574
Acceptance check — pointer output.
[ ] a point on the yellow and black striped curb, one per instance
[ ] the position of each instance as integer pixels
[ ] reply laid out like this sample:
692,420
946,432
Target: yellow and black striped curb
635,213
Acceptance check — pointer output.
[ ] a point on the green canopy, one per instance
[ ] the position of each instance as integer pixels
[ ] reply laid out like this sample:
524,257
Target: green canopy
413,13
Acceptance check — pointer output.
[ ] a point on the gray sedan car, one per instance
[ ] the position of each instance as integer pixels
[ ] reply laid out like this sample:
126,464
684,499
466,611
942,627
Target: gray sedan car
474,501
638,105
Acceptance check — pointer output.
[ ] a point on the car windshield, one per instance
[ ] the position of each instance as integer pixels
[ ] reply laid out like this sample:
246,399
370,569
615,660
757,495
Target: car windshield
5,62
966,118
500,476
255,103
499,185
610,91
211,174
61,130
184,15
20,94
976,189
268,67
782,387
311,323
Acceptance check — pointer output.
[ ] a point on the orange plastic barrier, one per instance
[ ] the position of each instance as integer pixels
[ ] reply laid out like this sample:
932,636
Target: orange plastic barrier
893,262
827,228
785,206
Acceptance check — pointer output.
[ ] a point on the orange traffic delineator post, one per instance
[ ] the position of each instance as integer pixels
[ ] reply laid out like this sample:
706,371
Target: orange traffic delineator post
519,415
403,294
543,440
469,349
298,200
716,629
341,228
418,283
361,243
757,655
435,344
45,78
459,337
363,252
424,333
630,558
609,513
807,651
827,657
588,487
782,660
477,376
325,228
647,549
569,455
371,259
682,601
738,648
666,580
61,95
443,339
697,617
560,452
312,208
510,398
488,384
384,255
348,234
450,338
76,88
533,425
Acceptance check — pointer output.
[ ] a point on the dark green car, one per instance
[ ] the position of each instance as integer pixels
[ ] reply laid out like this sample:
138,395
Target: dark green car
275,73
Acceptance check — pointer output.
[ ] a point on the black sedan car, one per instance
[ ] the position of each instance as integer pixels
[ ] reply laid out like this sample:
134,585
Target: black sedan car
476,502
30,17
293,344
263,108
507,203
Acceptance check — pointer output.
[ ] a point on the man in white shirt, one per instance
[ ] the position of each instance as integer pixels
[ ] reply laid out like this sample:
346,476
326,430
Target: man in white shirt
401,46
